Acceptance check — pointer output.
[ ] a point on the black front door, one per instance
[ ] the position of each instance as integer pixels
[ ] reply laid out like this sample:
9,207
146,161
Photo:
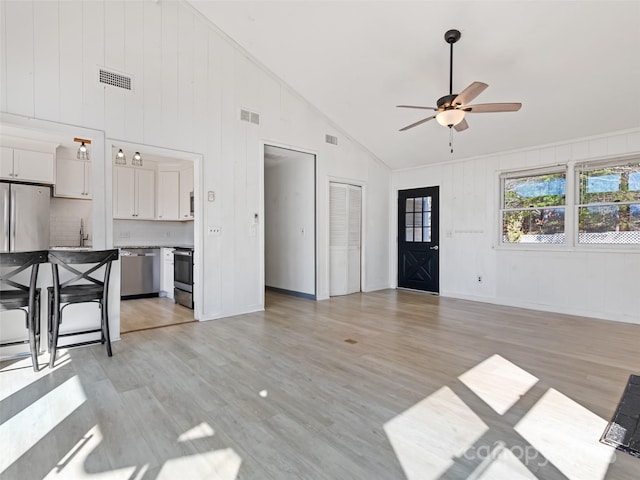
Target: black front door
418,239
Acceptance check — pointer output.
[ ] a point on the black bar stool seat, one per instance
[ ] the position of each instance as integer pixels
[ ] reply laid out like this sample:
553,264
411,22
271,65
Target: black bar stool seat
88,286
20,296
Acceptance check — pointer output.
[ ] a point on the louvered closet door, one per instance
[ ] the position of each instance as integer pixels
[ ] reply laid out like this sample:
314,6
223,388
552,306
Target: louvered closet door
345,210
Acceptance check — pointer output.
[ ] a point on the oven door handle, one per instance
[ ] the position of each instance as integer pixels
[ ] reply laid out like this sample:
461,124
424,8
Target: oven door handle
186,254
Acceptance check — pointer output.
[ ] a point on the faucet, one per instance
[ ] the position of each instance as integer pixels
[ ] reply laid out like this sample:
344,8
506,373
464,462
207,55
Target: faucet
83,237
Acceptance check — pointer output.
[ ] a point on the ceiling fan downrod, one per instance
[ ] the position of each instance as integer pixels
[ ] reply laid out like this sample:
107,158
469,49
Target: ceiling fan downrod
451,37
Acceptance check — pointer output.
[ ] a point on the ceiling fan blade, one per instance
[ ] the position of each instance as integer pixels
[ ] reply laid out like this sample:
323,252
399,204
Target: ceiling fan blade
469,93
492,107
416,106
463,125
420,122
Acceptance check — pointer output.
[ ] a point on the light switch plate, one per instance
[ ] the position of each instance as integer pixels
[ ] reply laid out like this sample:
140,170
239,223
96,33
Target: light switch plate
211,195
214,231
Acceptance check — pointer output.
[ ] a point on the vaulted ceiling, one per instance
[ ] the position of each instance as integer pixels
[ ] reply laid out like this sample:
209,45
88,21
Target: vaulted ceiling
574,65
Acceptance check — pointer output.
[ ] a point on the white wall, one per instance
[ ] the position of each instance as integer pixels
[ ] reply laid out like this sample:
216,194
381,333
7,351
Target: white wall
593,282
190,81
289,220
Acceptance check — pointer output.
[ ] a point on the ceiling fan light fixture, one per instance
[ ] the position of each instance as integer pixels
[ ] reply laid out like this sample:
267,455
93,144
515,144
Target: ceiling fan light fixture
450,118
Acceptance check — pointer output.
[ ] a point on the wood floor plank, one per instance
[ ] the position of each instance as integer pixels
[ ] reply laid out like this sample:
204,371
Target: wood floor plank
282,394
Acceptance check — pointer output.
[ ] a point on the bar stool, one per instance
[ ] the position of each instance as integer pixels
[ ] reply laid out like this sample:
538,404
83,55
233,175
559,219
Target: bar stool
89,286
23,297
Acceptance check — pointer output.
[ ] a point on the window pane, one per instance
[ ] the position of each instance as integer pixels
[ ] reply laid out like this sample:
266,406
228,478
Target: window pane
408,235
409,205
619,183
408,220
545,225
417,234
610,224
418,204
427,204
418,219
427,219
535,191
426,236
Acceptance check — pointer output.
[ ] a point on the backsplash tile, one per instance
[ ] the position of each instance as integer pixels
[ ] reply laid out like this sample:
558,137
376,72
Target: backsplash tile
64,221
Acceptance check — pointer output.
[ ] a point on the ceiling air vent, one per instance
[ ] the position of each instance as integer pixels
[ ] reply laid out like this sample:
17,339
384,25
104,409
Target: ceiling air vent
115,79
251,117
331,139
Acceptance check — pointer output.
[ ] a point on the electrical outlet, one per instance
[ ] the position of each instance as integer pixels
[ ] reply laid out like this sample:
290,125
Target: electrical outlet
211,195
125,234
214,231
479,278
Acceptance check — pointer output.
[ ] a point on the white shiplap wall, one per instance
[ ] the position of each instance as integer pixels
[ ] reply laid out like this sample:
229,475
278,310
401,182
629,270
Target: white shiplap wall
190,81
591,282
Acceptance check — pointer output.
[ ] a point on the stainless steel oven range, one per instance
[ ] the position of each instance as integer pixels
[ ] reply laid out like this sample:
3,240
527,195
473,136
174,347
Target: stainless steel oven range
183,276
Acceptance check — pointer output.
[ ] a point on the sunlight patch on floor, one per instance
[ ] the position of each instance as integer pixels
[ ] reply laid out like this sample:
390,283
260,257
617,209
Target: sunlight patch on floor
22,431
567,434
216,465
428,436
498,382
19,374
72,465
203,430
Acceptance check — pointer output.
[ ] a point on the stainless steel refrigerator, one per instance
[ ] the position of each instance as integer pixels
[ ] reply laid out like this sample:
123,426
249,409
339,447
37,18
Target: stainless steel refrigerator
24,224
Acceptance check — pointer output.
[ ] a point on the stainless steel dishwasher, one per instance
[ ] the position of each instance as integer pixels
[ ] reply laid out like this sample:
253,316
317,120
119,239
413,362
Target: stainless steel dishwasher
140,272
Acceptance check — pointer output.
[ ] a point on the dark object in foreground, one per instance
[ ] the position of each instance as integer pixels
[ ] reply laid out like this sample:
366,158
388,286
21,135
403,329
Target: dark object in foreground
623,431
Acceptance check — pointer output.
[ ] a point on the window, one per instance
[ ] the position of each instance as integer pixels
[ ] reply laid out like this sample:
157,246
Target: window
609,203
533,207
418,219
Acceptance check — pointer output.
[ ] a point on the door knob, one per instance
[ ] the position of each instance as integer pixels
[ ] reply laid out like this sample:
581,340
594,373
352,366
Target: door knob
435,247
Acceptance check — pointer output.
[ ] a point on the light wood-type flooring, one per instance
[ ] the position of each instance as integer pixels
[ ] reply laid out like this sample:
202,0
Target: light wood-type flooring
143,313
383,385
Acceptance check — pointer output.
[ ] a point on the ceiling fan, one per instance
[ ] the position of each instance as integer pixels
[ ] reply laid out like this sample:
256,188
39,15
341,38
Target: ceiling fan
453,107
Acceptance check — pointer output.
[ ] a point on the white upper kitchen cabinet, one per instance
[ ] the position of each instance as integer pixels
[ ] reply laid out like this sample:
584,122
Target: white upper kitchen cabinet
168,195
73,178
134,193
26,165
186,190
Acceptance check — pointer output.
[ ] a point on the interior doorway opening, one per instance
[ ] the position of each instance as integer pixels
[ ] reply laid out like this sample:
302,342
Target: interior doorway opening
290,221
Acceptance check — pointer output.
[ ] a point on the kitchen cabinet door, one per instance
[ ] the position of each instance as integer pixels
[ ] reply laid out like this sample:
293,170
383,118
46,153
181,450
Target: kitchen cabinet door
33,166
26,165
168,195
73,178
124,192
145,194
166,279
6,163
186,188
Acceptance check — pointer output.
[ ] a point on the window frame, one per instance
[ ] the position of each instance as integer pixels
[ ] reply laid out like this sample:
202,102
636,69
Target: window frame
532,172
572,169
585,166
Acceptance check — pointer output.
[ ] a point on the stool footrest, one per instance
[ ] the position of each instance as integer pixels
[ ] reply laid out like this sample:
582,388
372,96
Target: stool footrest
72,334
81,344
17,342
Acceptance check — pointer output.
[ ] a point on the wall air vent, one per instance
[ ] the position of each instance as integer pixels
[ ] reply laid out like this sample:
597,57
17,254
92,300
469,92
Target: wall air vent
115,79
248,116
331,139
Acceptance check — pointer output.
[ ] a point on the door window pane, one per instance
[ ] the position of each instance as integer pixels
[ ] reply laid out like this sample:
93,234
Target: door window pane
426,236
417,234
409,205
418,204
408,236
408,220
418,219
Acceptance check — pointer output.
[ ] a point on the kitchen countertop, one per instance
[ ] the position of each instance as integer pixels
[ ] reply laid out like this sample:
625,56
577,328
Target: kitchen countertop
124,247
